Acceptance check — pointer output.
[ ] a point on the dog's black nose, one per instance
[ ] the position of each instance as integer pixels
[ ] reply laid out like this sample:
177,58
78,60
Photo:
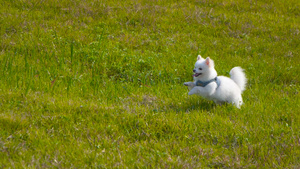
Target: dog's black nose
194,70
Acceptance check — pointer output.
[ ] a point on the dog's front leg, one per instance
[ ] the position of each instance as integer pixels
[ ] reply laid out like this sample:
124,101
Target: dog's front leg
194,90
202,91
190,85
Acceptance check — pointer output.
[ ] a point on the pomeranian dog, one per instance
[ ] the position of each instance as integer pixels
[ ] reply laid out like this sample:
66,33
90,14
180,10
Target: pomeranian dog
220,89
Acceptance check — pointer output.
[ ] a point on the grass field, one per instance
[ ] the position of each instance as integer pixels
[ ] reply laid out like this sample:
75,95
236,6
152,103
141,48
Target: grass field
99,84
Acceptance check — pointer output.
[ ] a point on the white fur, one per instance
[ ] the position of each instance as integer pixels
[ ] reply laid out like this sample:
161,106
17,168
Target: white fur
229,89
238,76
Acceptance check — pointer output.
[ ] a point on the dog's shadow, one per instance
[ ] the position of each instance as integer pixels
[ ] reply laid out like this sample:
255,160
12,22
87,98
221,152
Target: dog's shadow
191,104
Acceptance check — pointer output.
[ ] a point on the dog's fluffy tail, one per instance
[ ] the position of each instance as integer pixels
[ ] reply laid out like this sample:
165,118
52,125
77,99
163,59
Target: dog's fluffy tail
238,76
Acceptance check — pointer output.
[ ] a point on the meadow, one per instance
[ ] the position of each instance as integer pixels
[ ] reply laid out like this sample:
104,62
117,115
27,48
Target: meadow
99,84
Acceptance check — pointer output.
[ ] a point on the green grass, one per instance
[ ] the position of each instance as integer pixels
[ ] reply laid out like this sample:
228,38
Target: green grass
99,84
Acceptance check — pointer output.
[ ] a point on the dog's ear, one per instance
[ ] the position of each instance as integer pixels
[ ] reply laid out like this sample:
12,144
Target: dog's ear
209,62
199,57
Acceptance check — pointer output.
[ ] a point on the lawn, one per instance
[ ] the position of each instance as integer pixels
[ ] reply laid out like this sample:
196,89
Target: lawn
99,84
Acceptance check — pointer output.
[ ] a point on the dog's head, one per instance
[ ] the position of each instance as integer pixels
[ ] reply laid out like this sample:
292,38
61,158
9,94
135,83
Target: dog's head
204,68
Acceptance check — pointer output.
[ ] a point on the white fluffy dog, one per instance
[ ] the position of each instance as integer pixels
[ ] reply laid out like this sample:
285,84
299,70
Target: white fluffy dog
217,88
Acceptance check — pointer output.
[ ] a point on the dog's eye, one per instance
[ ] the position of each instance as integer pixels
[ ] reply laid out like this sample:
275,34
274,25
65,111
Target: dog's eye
200,68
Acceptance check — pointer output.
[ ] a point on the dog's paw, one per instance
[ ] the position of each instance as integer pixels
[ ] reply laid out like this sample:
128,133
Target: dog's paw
191,84
191,92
